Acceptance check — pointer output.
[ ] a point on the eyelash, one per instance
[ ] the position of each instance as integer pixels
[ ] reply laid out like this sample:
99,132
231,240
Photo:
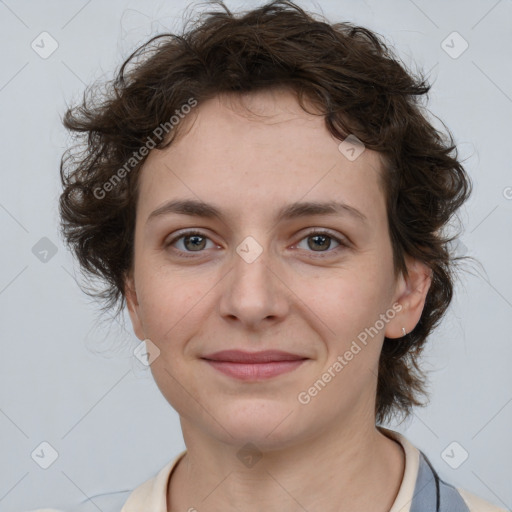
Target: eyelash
320,254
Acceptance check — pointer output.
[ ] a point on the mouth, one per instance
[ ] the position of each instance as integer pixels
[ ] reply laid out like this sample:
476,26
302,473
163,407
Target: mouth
254,365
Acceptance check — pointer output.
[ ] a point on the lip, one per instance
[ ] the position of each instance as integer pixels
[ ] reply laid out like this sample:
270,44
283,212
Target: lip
263,356
254,365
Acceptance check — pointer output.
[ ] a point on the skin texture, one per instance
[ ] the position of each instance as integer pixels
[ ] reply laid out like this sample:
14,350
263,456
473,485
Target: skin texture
290,298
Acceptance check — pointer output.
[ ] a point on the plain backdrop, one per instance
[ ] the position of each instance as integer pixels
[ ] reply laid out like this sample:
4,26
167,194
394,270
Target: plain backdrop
69,380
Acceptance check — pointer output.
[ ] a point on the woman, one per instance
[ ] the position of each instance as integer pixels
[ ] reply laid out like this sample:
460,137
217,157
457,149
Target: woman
267,198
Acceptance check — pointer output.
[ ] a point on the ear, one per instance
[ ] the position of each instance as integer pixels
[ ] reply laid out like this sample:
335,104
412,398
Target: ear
411,293
133,306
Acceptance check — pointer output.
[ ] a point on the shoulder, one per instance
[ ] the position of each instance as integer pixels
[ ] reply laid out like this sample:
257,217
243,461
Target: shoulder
451,498
150,495
424,489
111,502
477,504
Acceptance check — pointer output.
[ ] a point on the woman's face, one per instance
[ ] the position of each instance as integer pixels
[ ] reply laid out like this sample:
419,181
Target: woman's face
252,280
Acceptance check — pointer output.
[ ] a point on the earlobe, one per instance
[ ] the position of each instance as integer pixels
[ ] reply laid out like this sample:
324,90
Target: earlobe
132,304
412,293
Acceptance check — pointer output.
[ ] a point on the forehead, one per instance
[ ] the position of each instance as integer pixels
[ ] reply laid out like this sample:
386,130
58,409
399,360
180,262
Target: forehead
258,151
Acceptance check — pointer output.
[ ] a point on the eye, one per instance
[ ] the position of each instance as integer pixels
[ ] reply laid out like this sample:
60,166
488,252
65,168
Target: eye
196,241
321,241
192,241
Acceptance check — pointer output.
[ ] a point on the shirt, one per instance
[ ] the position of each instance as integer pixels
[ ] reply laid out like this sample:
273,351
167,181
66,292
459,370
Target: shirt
421,490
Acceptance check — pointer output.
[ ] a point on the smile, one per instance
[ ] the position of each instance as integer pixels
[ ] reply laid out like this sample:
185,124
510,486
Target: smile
254,365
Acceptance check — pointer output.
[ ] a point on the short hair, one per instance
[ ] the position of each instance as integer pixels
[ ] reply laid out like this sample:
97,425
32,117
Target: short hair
355,82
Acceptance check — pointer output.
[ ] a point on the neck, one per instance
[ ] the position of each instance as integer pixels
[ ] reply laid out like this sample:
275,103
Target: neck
343,471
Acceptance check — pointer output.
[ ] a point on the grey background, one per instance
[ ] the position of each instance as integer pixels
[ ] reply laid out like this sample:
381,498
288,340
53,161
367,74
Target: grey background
73,382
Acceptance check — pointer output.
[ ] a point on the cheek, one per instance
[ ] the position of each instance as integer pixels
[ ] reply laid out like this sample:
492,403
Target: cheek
347,306
172,305
162,305
346,300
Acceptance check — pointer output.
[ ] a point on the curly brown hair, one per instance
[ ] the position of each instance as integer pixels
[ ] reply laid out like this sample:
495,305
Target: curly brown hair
358,85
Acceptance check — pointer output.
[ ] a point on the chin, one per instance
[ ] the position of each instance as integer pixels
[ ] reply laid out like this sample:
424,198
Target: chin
268,424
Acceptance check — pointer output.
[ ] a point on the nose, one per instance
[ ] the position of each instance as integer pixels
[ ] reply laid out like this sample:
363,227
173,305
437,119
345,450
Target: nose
253,293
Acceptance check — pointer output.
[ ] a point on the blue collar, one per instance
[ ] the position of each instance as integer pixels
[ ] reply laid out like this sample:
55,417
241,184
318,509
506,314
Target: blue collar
432,494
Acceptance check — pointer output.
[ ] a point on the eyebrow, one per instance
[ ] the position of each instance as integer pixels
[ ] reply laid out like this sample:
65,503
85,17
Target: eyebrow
196,208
